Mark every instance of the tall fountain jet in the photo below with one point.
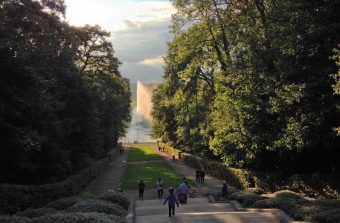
(140, 126)
(144, 101)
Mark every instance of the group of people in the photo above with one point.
(161, 149)
(159, 186)
(183, 191)
(200, 175)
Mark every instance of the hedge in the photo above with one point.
(79, 218)
(116, 198)
(18, 197)
(98, 206)
(322, 186)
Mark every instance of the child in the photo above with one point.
(172, 200)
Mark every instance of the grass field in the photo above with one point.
(149, 173)
(142, 153)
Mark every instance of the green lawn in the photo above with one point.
(142, 153)
(149, 173)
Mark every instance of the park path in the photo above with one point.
(109, 179)
(199, 209)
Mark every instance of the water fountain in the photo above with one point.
(140, 126)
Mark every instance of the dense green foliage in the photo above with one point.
(99, 206)
(322, 211)
(321, 186)
(116, 198)
(250, 82)
(63, 102)
(89, 217)
(18, 197)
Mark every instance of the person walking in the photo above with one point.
(159, 184)
(183, 191)
(202, 176)
(141, 187)
(198, 176)
(172, 200)
(225, 190)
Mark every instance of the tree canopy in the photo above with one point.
(250, 82)
(63, 101)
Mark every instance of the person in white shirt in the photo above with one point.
(160, 185)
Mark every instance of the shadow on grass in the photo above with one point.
(149, 173)
(142, 153)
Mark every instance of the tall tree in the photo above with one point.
(55, 118)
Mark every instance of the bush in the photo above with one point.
(79, 218)
(286, 194)
(327, 216)
(291, 206)
(64, 203)
(246, 198)
(15, 198)
(33, 213)
(236, 177)
(116, 198)
(322, 186)
(14, 219)
(99, 206)
(255, 190)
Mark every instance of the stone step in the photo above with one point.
(213, 217)
(158, 201)
(186, 208)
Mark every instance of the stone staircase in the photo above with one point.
(199, 210)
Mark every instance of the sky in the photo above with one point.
(139, 32)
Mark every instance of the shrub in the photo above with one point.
(236, 177)
(100, 206)
(246, 198)
(327, 216)
(255, 190)
(79, 218)
(286, 194)
(14, 219)
(15, 198)
(291, 206)
(64, 203)
(116, 198)
(33, 213)
(324, 186)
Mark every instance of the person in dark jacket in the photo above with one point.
(141, 187)
(224, 190)
(198, 176)
(202, 175)
(172, 200)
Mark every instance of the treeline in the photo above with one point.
(253, 83)
(63, 101)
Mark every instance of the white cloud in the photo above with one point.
(156, 61)
(139, 31)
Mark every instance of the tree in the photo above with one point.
(55, 117)
(271, 105)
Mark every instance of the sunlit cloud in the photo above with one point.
(139, 31)
(153, 61)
